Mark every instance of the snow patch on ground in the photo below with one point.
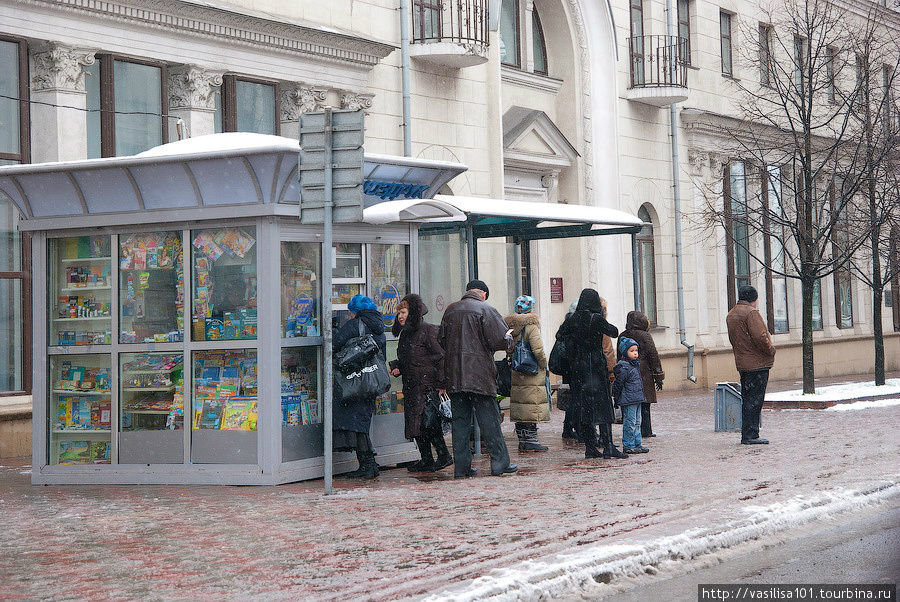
(865, 405)
(595, 566)
(840, 392)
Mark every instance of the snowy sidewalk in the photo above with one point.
(407, 536)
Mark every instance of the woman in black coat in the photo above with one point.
(419, 356)
(588, 374)
(353, 419)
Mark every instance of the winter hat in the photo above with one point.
(359, 303)
(590, 301)
(625, 344)
(524, 304)
(747, 293)
(480, 285)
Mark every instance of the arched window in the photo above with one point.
(647, 264)
(539, 47)
(509, 33)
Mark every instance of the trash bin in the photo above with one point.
(727, 407)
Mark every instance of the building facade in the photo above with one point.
(562, 102)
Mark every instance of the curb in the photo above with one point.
(567, 573)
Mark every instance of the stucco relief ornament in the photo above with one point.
(698, 160)
(193, 87)
(354, 102)
(59, 67)
(301, 99)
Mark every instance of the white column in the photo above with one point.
(528, 38)
(192, 98)
(58, 112)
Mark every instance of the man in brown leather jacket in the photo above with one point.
(471, 331)
(753, 356)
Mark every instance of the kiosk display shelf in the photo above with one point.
(151, 408)
(151, 287)
(80, 287)
(301, 290)
(80, 409)
(224, 284)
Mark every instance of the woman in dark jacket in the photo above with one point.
(419, 357)
(587, 372)
(637, 327)
(353, 419)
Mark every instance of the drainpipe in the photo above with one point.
(676, 187)
(404, 70)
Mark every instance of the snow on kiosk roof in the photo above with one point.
(208, 177)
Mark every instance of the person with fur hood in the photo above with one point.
(588, 373)
(528, 394)
(418, 363)
(637, 327)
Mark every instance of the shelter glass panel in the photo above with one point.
(442, 272)
(151, 287)
(138, 105)
(224, 284)
(80, 291)
(301, 289)
(80, 409)
(10, 238)
(388, 278)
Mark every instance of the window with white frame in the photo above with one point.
(647, 266)
(776, 281)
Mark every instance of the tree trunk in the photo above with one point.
(878, 331)
(809, 371)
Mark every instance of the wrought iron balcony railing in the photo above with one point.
(458, 21)
(658, 61)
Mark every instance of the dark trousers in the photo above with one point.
(646, 427)
(484, 407)
(753, 393)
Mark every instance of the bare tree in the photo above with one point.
(797, 134)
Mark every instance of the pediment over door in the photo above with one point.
(531, 141)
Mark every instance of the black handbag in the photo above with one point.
(356, 351)
(523, 358)
(558, 362)
(504, 377)
(363, 380)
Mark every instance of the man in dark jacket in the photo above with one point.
(470, 333)
(754, 355)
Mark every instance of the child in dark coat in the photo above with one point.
(629, 391)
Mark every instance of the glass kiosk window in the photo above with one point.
(301, 412)
(300, 289)
(151, 288)
(224, 284)
(80, 413)
(388, 279)
(224, 406)
(80, 291)
(151, 413)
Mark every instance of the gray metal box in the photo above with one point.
(727, 407)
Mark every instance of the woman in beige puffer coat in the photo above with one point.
(528, 403)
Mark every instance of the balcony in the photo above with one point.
(658, 68)
(450, 33)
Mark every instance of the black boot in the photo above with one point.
(610, 450)
(355, 474)
(444, 459)
(368, 469)
(531, 444)
(589, 435)
(426, 463)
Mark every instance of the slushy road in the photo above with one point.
(859, 548)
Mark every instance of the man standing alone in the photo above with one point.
(470, 333)
(753, 356)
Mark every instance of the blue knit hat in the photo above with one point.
(524, 304)
(361, 302)
(625, 343)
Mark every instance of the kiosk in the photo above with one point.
(177, 304)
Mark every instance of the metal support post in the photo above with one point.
(327, 330)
